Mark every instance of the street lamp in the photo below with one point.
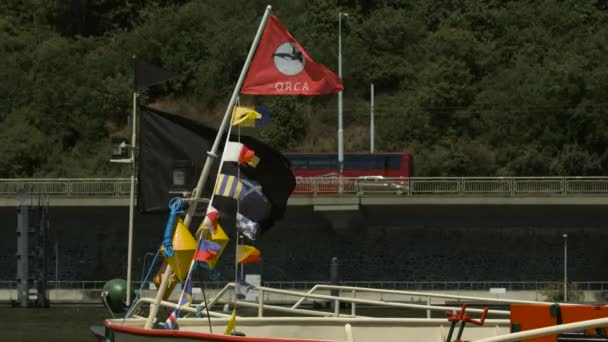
(565, 236)
(340, 129)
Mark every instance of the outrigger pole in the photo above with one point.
(132, 192)
(211, 156)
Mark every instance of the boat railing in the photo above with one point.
(340, 297)
(320, 186)
(526, 285)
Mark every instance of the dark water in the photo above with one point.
(57, 324)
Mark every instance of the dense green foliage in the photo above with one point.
(469, 87)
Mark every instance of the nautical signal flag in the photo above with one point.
(229, 186)
(206, 250)
(231, 323)
(250, 116)
(237, 152)
(186, 300)
(217, 237)
(280, 66)
(246, 226)
(210, 220)
(246, 254)
(232, 186)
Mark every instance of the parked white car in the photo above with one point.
(380, 184)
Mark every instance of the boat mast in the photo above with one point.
(211, 156)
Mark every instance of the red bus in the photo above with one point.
(386, 164)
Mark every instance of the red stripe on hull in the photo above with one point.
(198, 336)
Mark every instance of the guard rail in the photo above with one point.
(362, 186)
(387, 285)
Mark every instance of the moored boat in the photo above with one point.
(510, 320)
(345, 322)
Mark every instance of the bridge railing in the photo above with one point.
(455, 186)
(387, 285)
(67, 187)
(319, 186)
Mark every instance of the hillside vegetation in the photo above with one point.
(468, 87)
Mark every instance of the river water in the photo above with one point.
(56, 324)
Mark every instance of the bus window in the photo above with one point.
(358, 162)
(322, 162)
(394, 162)
(379, 162)
(298, 162)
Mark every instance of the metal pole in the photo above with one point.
(371, 120)
(340, 129)
(131, 198)
(334, 279)
(565, 268)
(56, 264)
(211, 155)
(23, 228)
(42, 289)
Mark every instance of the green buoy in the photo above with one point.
(114, 295)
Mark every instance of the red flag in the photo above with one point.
(247, 155)
(282, 67)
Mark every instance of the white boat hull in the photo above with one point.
(290, 329)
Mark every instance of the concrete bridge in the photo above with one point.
(346, 194)
(385, 229)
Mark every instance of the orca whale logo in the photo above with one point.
(288, 59)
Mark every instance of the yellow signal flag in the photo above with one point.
(184, 246)
(231, 323)
(246, 254)
(245, 116)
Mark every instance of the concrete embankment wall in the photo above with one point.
(392, 243)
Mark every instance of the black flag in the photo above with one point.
(173, 150)
(148, 75)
